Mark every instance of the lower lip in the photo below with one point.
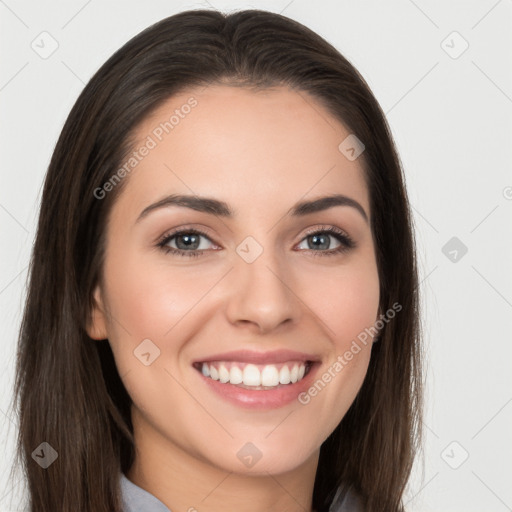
(261, 398)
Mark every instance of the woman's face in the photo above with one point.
(260, 281)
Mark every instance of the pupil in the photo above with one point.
(189, 240)
(324, 245)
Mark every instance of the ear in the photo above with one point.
(97, 325)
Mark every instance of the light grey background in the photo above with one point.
(451, 116)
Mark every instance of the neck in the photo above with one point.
(188, 482)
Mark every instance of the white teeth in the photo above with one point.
(253, 375)
(269, 376)
(294, 374)
(214, 374)
(236, 375)
(284, 375)
(223, 374)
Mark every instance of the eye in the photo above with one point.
(187, 242)
(320, 239)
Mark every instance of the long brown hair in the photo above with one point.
(67, 389)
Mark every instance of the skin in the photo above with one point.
(261, 152)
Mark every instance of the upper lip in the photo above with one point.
(250, 356)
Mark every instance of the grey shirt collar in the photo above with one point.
(136, 499)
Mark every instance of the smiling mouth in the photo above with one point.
(255, 376)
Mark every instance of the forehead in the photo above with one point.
(270, 147)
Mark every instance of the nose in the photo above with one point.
(262, 294)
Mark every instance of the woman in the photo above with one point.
(223, 307)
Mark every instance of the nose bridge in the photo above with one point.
(261, 291)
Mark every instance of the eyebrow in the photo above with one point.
(222, 209)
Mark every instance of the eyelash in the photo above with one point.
(346, 243)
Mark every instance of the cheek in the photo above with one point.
(148, 300)
(345, 299)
